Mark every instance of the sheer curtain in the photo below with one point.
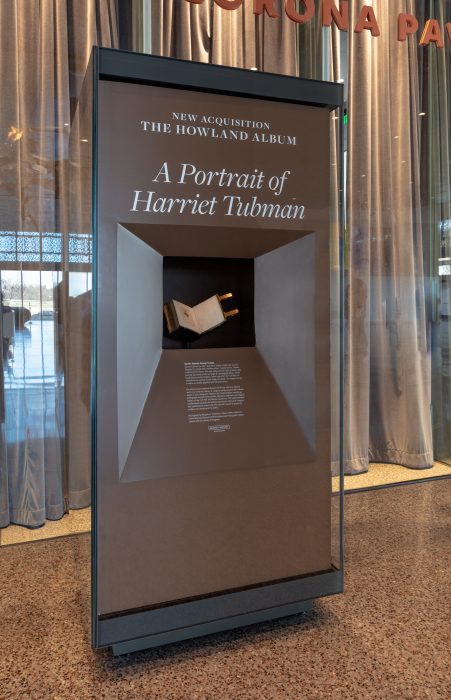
(388, 387)
(435, 72)
(388, 381)
(44, 50)
(45, 46)
(236, 38)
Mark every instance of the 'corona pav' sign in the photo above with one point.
(303, 11)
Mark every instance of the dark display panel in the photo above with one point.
(213, 429)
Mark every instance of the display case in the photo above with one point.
(217, 361)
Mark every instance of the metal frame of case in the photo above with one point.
(130, 631)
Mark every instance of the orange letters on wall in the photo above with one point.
(407, 24)
(337, 11)
(340, 17)
(229, 4)
(267, 6)
(293, 14)
(367, 20)
(432, 32)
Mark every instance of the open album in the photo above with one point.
(197, 319)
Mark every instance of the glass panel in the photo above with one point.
(436, 113)
(224, 440)
(337, 330)
(33, 463)
(45, 266)
(34, 231)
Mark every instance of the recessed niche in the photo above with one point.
(191, 280)
(271, 342)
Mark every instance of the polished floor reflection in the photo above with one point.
(32, 360)
(31, 383)
(31, 471)
(382, 474)
(74, 522)
(386, 638)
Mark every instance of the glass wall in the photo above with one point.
(45, 267)
(394, 61)
(398, 223)
(436, 112)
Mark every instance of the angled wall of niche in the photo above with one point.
(138, 331)
(263, 413)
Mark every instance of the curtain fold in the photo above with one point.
(45, 47)
(388, 358)
(237, 38)
(181, 30)
(388, 381)
(436, 186)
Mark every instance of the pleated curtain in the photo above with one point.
(237, 38)
(388, 351)
(388, 379)
(396, 209)
(435, 74)
(44, 51)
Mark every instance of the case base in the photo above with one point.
(179, 635)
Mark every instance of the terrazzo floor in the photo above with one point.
(74, 522)
(382, 474)
(387, 637)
